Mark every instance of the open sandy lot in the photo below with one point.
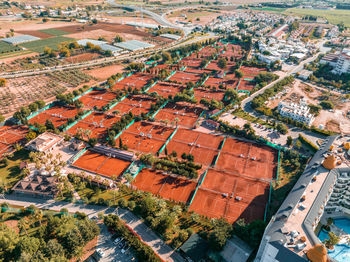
(102, 73)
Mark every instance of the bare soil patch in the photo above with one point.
(102, 73)
(81, 58)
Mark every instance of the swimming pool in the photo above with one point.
(341, 252)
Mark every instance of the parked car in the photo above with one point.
(100, 252)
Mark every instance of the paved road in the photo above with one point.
(159, 18)
(148, 236)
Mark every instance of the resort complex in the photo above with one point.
(175, 131)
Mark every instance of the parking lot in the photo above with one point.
(111, 252)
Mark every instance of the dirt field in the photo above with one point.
(102, 73)
(333, 120)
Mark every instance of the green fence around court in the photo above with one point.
(160, 108)
(41, 110)
(84, 93)
(171, 74)
(167, 141)
(268, 202)
(118, 135)
(127, 171)
(150, 86)
(198, 185)
(76, 121)
(77, 155)
(222, 145)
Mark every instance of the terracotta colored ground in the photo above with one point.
(216, 82)
(213, 65)
(183, 77)
(137, 104)
(247, 159)
(35, 33)
(208, 94)
(166, 186)
(195, 70)
(101, 164)
(102, 73)
(187, 115)
(251, 72)
(10, 135)
(91, 102)
(165, 89)
(202, 146)
(57, 114)
(246, 85)
(137, 80)
(133, 138)
(193, 62)
(82, 57)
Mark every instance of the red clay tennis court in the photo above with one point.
(213, 65)
(216, 197)
(184, 77)
(101, 164)
(137, 80)
(208, 94)
(164, 185)
(251, 72)
(246, 85)
(216, 82)
(202, 146)
(146, 137)
(195, 70)
(247, 159)
(191, 61)
(166, 89)
(10, 135)
(91, 102)
(136, 104)
(186, 116)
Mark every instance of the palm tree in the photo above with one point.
(87, 132)
(130, 179)
(89, 178)
(38, 215)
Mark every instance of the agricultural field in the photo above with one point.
(24, 90)
(52, 42)
(8, 48)
(53, 32)
(333, 16)
(71, 78)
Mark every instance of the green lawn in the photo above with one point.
(54, 32)
(11, 173)
(15, 53)
(333, 16)
(52, 42)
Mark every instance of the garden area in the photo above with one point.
(43, 235)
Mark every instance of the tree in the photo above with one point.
(222, 63)
(130, 179)
(327, 104)
(289, 140)
(238, 74)
(2, 118)
(8, 241)
(2, 82)
(282, 128)
(333, 240)
(118, 39)
(166, 56)
(22, 225)
(298, 144)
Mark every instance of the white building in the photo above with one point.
(343, 64)
(298, 112)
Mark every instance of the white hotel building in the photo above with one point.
(298, 112)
